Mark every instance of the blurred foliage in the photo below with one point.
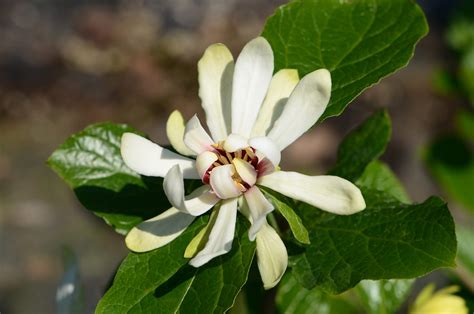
(450, 158)
(70, 291)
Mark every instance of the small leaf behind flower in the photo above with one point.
(362, 145)
(91, 164)
(294, 221)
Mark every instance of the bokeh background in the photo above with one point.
(67, 64)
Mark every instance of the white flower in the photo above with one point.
(252, 117)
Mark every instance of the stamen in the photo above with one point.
(229, 156)
(223, 160)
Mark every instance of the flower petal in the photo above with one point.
(252, 75)
(268, 148)
(272, 257)
(158, 231)
(222, 182)
(196, 138)
(150, 159)
(281, 86)
(330, 193)
(234, 142)
(304, 107)
(204, 161)
(245, 170)
(221, 236)
(197, 203)
(175, 132)
(259, 208)
(216, 69)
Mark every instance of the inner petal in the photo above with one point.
(246, 171)
(222, 182)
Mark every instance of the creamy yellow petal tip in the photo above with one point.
(175, 127)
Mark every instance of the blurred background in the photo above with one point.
(67, 64)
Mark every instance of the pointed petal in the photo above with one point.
(252, 75)
(272, 257)
(216, 69)
(303, 109)
(245, 170)
(268, 148)
(222, 182)
(259, 208)
(197, 203)
(330, 193)
(175, 132)
(204, 161)
(221, 236)
(158, 231)
(281, 86)
(196, 138)
(234, 142)
(150, 159)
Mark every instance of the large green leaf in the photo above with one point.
(360, 42)
(364, 144)
(292, 298)
(162, 281)
(387, 240)
(91, 164)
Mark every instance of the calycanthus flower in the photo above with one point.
(252, 116)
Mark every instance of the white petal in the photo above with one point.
(303, 109)
(268, 148)
(196, 138)
(158, 231)
(150, 159)
(281, 86)
(204, 161)
(272, 257)
(234, 142)
(259, 208)
(330, 193)
(197, 203)
(221, 236)
(222, 183)
(245, 170)
(216, 69)
(252, 75)
(175, 132)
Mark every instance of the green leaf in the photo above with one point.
(364, 144)
(465, 252)
(91, 164)
(383, 296)
(385, 241)
(293, 298)
(294, 221)
(360, 42)
(161, 280)
(378, 176)
(465, 124)
(450, 159)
